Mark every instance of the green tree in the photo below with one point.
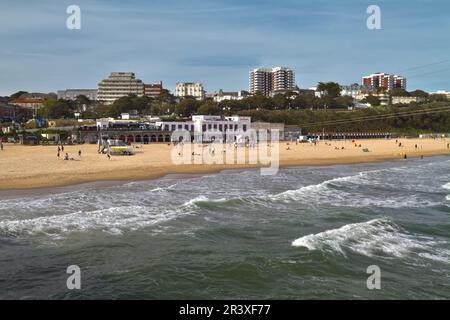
(372, 100)
(331, 89)
(17, 95)
(419, 93)
(209, 108)
(187, 107)
(399, 92)
(53, 109)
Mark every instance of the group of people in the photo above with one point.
(66, 156)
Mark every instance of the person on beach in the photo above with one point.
(1, 145)
(79, 153)
(405, 156)
(58, 155)
(109, 156)
(66, 157)
(448, 145)
(59, 149)
(62, 148)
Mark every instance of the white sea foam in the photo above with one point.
(112, 220)
(373, 238)
(342, 191)
(201, 199)
(162, 189)
(446, 186)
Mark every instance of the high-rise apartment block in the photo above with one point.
(266, 81)
(384, 81)
(119, 84)
(190, 89)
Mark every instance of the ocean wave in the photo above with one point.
(195, 202)
(374, 238)
(446, 186)
(340, 191)
(343, 191)
(113, 220)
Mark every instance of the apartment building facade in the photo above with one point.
(384, 81)
(153, 89)
(119, 84)
(266, 81)
(190, 89)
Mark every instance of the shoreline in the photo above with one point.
(155, 164)
(6, 194)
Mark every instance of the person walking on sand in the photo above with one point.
(59, 148)
(1, 145)
(109, 157)
(79, 153)
(62, 148)
(58, 155)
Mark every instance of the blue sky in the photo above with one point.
(217, 42)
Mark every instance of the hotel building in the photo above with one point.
(384, 81)
(119, 84)
(190, 89)
(267, 81)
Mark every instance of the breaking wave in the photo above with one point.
(112, 220)
(340, 191)
(374, 238)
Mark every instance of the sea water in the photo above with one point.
(305, 233)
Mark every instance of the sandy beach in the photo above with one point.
(27, 167)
